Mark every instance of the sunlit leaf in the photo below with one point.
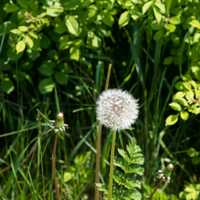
(124, 19)
(184, 115)
(20, 46)
(147, 6)
(72, 25)
(175, 106)
(171, 120)
(46, 85)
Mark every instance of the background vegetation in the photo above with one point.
(54, 56)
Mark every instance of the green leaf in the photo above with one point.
(195, 23)
(23, 28)
(196, 72)
(189, 95)
(46, 86)
(171, 120)
(10, 8)
(28, 41)
(175, 106)
(157, 14)
(160, 6)
(54, 11)
(178, 95)
(129, 170)
(74, 53)
(64, 42)
(146, 7)
(195, 109)
(61, 78)
(7, 85)
(182, 101)
(20, 46)
(175, 20)
(123, 19)
(60, 26)
(170, 27)
(46, 68)
(68, 176)
(184, 115)
(72, 25)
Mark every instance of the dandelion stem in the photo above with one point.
(112, 155)
(53, 163)
(98, 143)
(98, 155)
(59, 124)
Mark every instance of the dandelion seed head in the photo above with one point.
(117, 109)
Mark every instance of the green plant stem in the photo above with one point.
(53, 164)
(98, 155)
(108, 76)
(97, 195)
(112, 155)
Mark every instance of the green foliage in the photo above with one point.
(64, 47)
(77, 178)
(191, 192)
(185, 101)
(128, 173)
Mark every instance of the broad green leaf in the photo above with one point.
(61, 77)
(23, 28)
(10, 8)
(92, 10)
(146, 6)
(175, 20)
(170, 27)
(182, 101)
(184, 115)
(72, 25)
(64, 42)
(20, 46)
(46, 86)
(189, 95)
(68, 176)
(157, 14)
(123, 19)
(46, 68)
(7, 85)
(175, 106)
(60, 26)
(108, 19)
(15, 31)
(178, 95)
(171, 120)
(195, 109)
(160, 6)
(195, 23)
(54, 11)
(179, 85)
(196, 72)
(28, 41)
(74, 53)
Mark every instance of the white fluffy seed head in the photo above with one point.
(117, 109)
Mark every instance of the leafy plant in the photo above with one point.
(78, 177)
(185, 101)
(191, 192)
(128, 173)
